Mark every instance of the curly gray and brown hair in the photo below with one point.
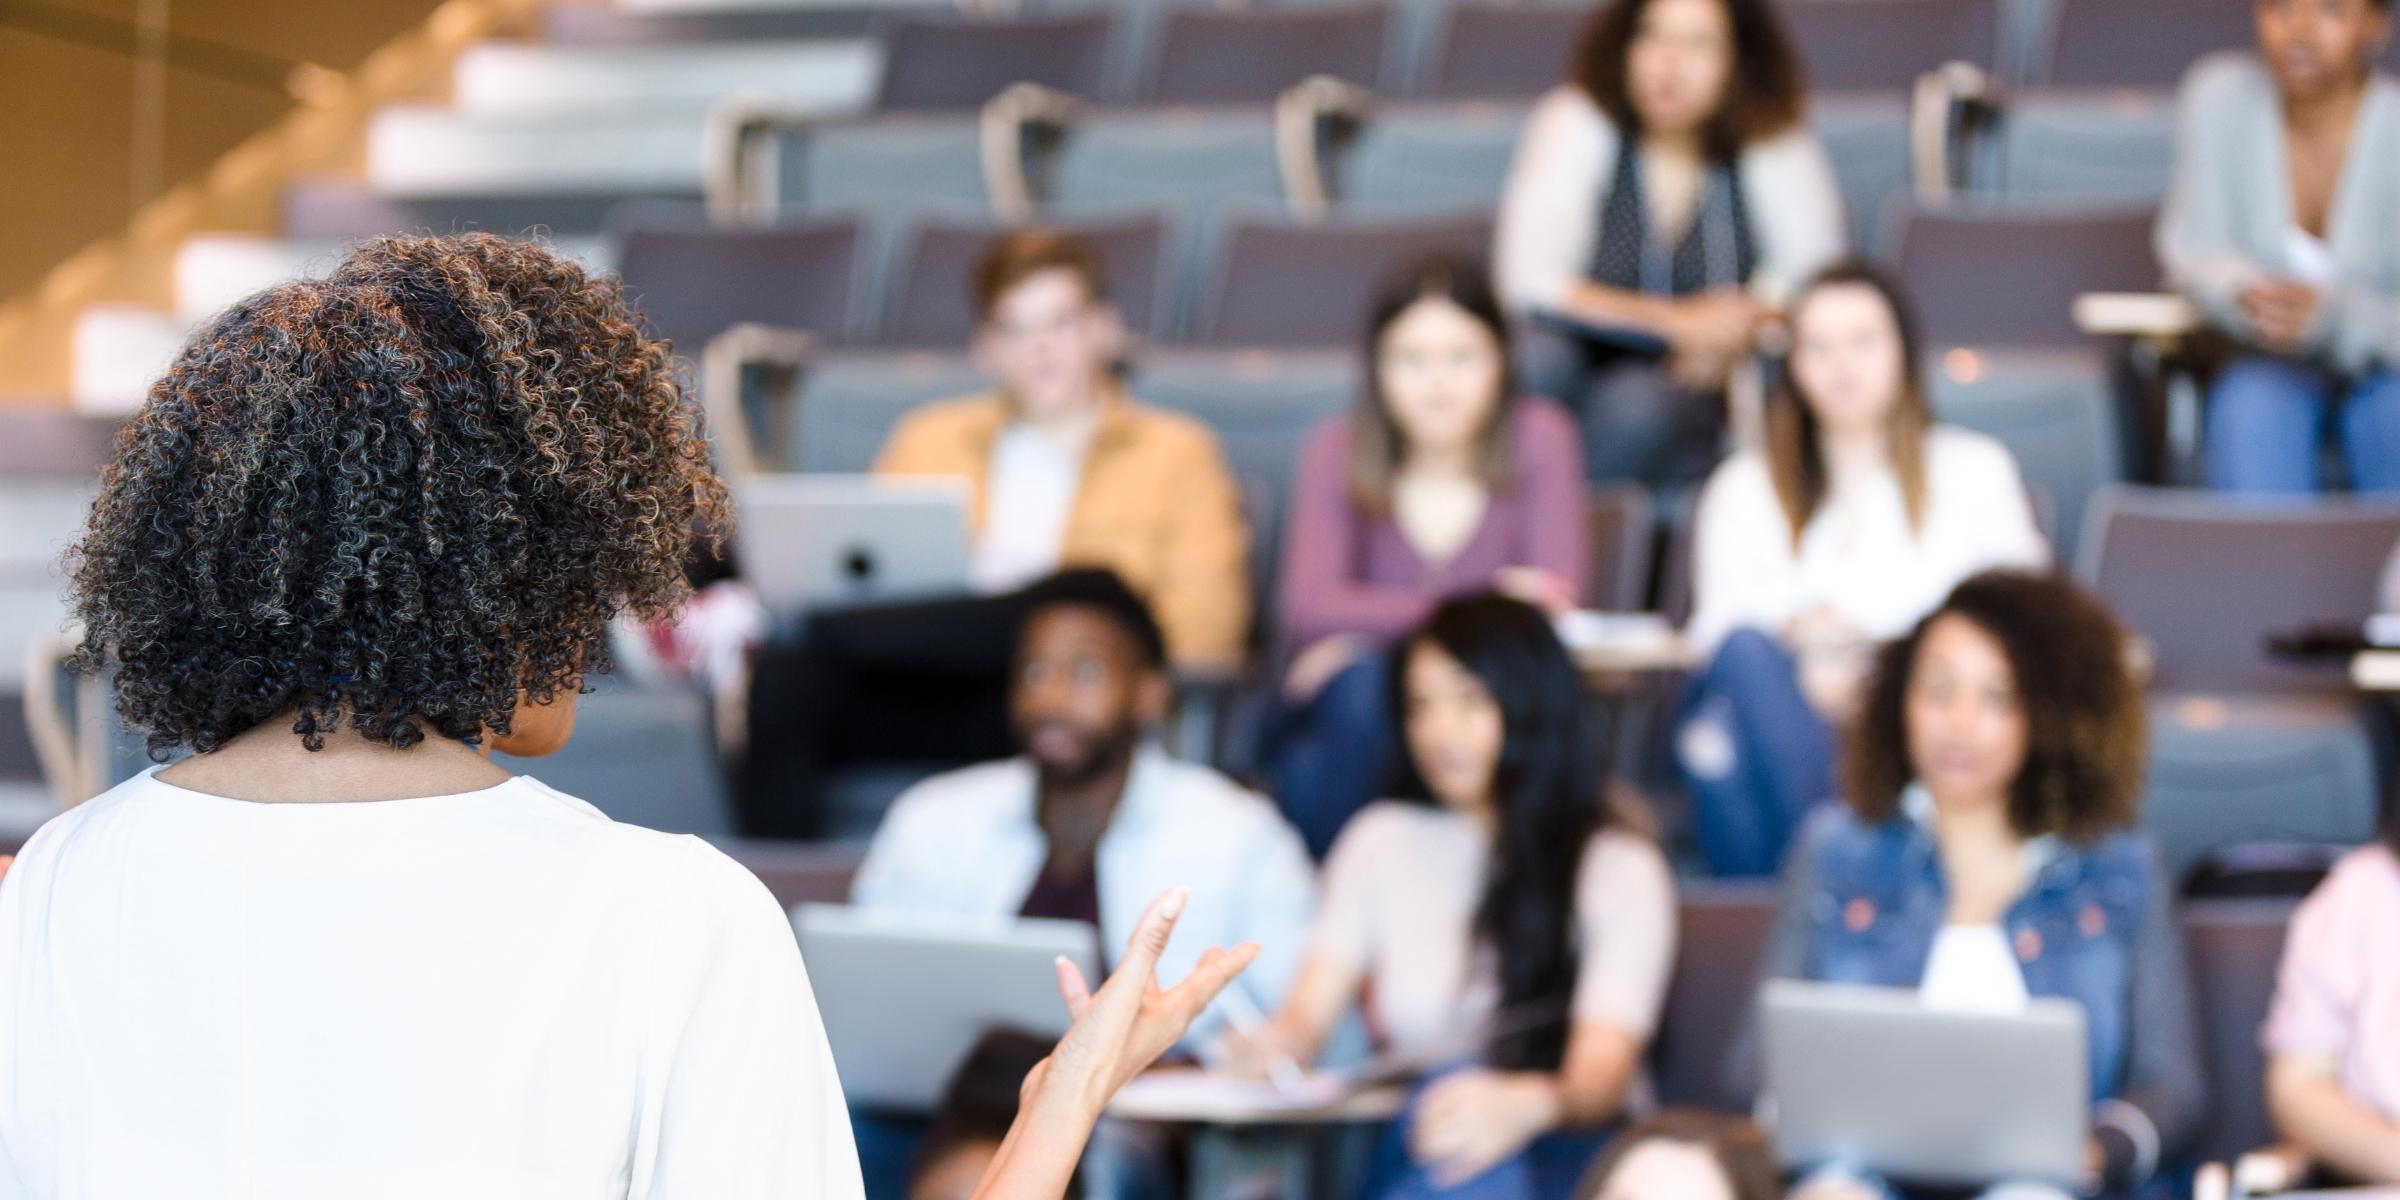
(403, 497)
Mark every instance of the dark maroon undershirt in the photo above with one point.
(1072, 897)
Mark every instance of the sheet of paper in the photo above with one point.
(1205, 1097)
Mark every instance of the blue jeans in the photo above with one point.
(1549, 1167)
(1327, 758)
(1754, 755)
(1637, 424)
(2268, 418)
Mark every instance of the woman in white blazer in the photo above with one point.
(1668, 197)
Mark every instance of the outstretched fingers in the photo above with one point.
(1139, 970)
(1215, 971)
(1073, 988)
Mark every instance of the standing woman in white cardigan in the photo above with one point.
(2283, 226)
(1670, 194)
(1856, 519)
(367, 529)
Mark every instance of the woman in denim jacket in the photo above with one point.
(1988, 854)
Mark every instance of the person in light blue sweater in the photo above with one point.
(2283, 227)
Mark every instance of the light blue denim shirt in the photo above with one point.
(1880, 898)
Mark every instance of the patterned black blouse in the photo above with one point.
(1719, 248)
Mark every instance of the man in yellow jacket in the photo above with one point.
(1066, 471)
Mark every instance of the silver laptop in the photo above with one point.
(829, 541)
(1874, 1078)
(905, 997)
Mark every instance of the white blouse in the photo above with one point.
(1973, 969)
(500, 994)
(1858, 555)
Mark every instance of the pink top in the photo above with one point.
(1347, 571)
(2338, 995)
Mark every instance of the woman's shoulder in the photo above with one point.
(1745, 468)
(682, 863)
(1385, 821)
(1629, 859)
(1329, 437)
(2370, 866)
(1953, 451)
(1836, 839)
(1779, 153)
(2228, 78)
(1741, 482)
(2363, 883)
(707, 898)
(2383, 87)
(1539, 422)
(2129, 855)
(1957, 442)
(1567, 107)
(1388, 833)
(55, 837)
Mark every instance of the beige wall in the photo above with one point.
(67, 109)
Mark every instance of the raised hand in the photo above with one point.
(1123, 1028)
(1119, 1031)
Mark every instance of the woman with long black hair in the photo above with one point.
(1497, 901)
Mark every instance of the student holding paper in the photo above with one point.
(1496, 892)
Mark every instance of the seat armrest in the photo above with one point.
(2159, 316)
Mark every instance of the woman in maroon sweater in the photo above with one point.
(1440, 481)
